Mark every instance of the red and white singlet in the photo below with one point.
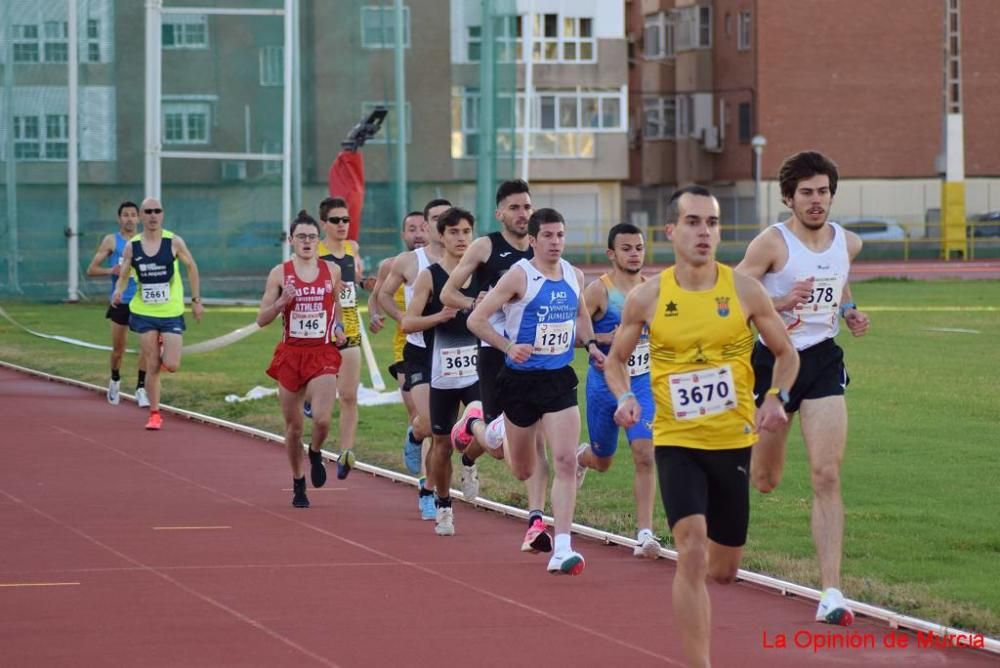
(309, 319)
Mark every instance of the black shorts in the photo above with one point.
(713, 483)
(525, 396)
(821, 373)
(416, 365)
(444, 406)
(397, 368)
(118, 314)
(491, 362)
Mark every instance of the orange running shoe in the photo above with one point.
(155, 421)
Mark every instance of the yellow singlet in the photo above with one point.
(399, 340)
(348, 291)
(700, 345)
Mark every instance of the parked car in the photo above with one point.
(986, 225)
(875, 229)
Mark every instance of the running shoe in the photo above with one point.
(445, 522)
(427, 509)
(345, 462)
(470, 482)
(299, 498)
(141, 398)
(566, 563)
(411, 453)
(833, 609)
(114, 388)
(307, 410)
(460, 436)
(581, 471)
(537, 539)
(317, 470)
(155, 422)
(647, 547)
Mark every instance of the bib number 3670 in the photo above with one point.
(702, 393)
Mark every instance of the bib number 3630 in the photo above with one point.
(702, 393)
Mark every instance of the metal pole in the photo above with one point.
(286, 132)
(399, 65)
(11, 165)
(154, 82)
(529, 91)
(73, 167)
(296, 109)
(758, 142)
(486, 167)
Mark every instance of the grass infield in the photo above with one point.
(919, 477)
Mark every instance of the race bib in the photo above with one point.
(702, 393)
(307, 325)
(553, 338)
(348, 295)
(155, 293)
(825, 297)
(459, 362)
(638, 361)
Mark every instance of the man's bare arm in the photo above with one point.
(402, 263)
(104, 251)
(475, 255)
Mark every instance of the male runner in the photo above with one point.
(605, 298)
(304, 291)
(110, 249)
(545, 315)
(804, 264)
(698, 314)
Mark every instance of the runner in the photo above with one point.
(804, 263)
(157, 309)
(304, 291)
(697, 314)
(453, 351)
(605, 298)
(489, 258)
(110, 249)
(545, 313)
(405, 269)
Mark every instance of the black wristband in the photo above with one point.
(586, 346)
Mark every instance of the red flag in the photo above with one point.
(347, 180)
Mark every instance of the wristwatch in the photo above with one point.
(781, 393)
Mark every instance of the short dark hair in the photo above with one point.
(452, 217)
(621, 228)
(805, 165)
(331, 203)
(673, 204)
(303, 218)
(126, 205)
(542, 216)
(512, 187)
(433, 203)
(410, 215)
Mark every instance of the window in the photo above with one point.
(186, 122)
(272, 65)
(25, 43)
(32, 143)
(746, 126)
(56, 136)
(185, 31)
(270, 166)
(378, 27)
(506, 38)
(234, 170)
(93, 41)
(570, 40)
(56, 48)
(743, 36)
(27, 142)
(693, 27)
(390, 128)
(658, 36)
(659, 118)
(685, 115)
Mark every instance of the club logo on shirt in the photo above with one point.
(722, 306)
(671, 310)
(505, 254)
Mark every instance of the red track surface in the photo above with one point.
(88, 497)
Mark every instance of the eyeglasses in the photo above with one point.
(339, 219)
(306, 237)
(153, 210)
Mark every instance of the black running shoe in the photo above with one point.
(317, 472)
(299, 498)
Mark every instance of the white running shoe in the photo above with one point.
(833, 609)
(470, 482)
(581, 471)
(566, 563)
(647, 548)
(113, 392)
(445, 525)
(141, 398)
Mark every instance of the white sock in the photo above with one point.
(496, 432)
(643, 533)
(562, 543)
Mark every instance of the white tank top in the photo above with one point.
(416, 338)
(819, 319)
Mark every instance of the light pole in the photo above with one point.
(758, 143)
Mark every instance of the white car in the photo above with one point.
(875, 229)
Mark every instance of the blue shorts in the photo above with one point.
(601, 407)
(140, 324)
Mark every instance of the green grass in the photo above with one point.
(919, 479)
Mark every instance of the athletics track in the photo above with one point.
(180, 548)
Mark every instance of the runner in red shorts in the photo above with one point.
(304, 291)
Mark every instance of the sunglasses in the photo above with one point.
(339, 219)
(306, 237)
(153, 210)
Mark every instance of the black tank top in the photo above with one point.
(458, 325)
(502, 257)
